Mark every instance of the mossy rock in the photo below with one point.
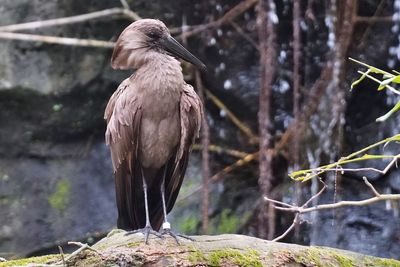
(48, 259)
(118, 249)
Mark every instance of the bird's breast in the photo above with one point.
(160, 129)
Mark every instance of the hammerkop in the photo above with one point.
(152, 120)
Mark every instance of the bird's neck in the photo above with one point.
(162, 73)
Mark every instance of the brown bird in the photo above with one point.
(152, 120)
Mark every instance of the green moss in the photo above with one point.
(323, 257)
(226, 257)
(197, 257)
(383, 262)
(115, 231)
(60, 198)
(134, 244)
(36, 260)
(312, 256)
(343, 261)
(248, 258)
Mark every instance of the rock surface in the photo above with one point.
(118, 249)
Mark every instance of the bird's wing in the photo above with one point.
(123, 114)
(191, 113)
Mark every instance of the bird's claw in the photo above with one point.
(146, 231)
(167, 231)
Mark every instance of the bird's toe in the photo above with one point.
(146, 231)
(175, 235)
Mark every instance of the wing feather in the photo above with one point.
(191, 112)
(123, 114)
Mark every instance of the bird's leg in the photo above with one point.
(166, 226)
(147, 230)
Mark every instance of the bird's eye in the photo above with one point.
(153, 35)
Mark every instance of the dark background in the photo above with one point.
(56, 181)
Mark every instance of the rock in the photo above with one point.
(118, 249)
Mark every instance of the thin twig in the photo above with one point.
(239, 163)
(316, 195)
(337, 166)
(295, 222)
(222, 150)
(278, 202)
(62, 255)
(84, 245)
(244, 35)
(235, 120)
(300, 210)
(341, 204)
(76, 252)
(378, 197)
(56, 40)
(225, 19)
(125, 4)
(391, 88)
(374, 19)
(371, 186)
(216, 177)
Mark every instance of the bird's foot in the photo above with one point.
(146, 231)
(167, 231)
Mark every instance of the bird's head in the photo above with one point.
(146, 38)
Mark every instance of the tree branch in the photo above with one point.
(205, 156)
(235, 120)
(303, 209)
(225, 19)
(70, 20)
(56, 40)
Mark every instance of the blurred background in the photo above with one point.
(56, 181)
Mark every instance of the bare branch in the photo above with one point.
(76, 252)
(239, 163)
(222, 150)
(244, 35)
(70, 20)
(316, 195)
(371, 186)
(62, 255)
(225, 19)
(125, 4)
(278, 202)
(216, 177)
(341, 204)
(296, 220)
(374, 19)
(378, 197)
(56, 40)
(235, 120)
(300, 210)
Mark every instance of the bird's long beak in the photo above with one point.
(171, 45)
